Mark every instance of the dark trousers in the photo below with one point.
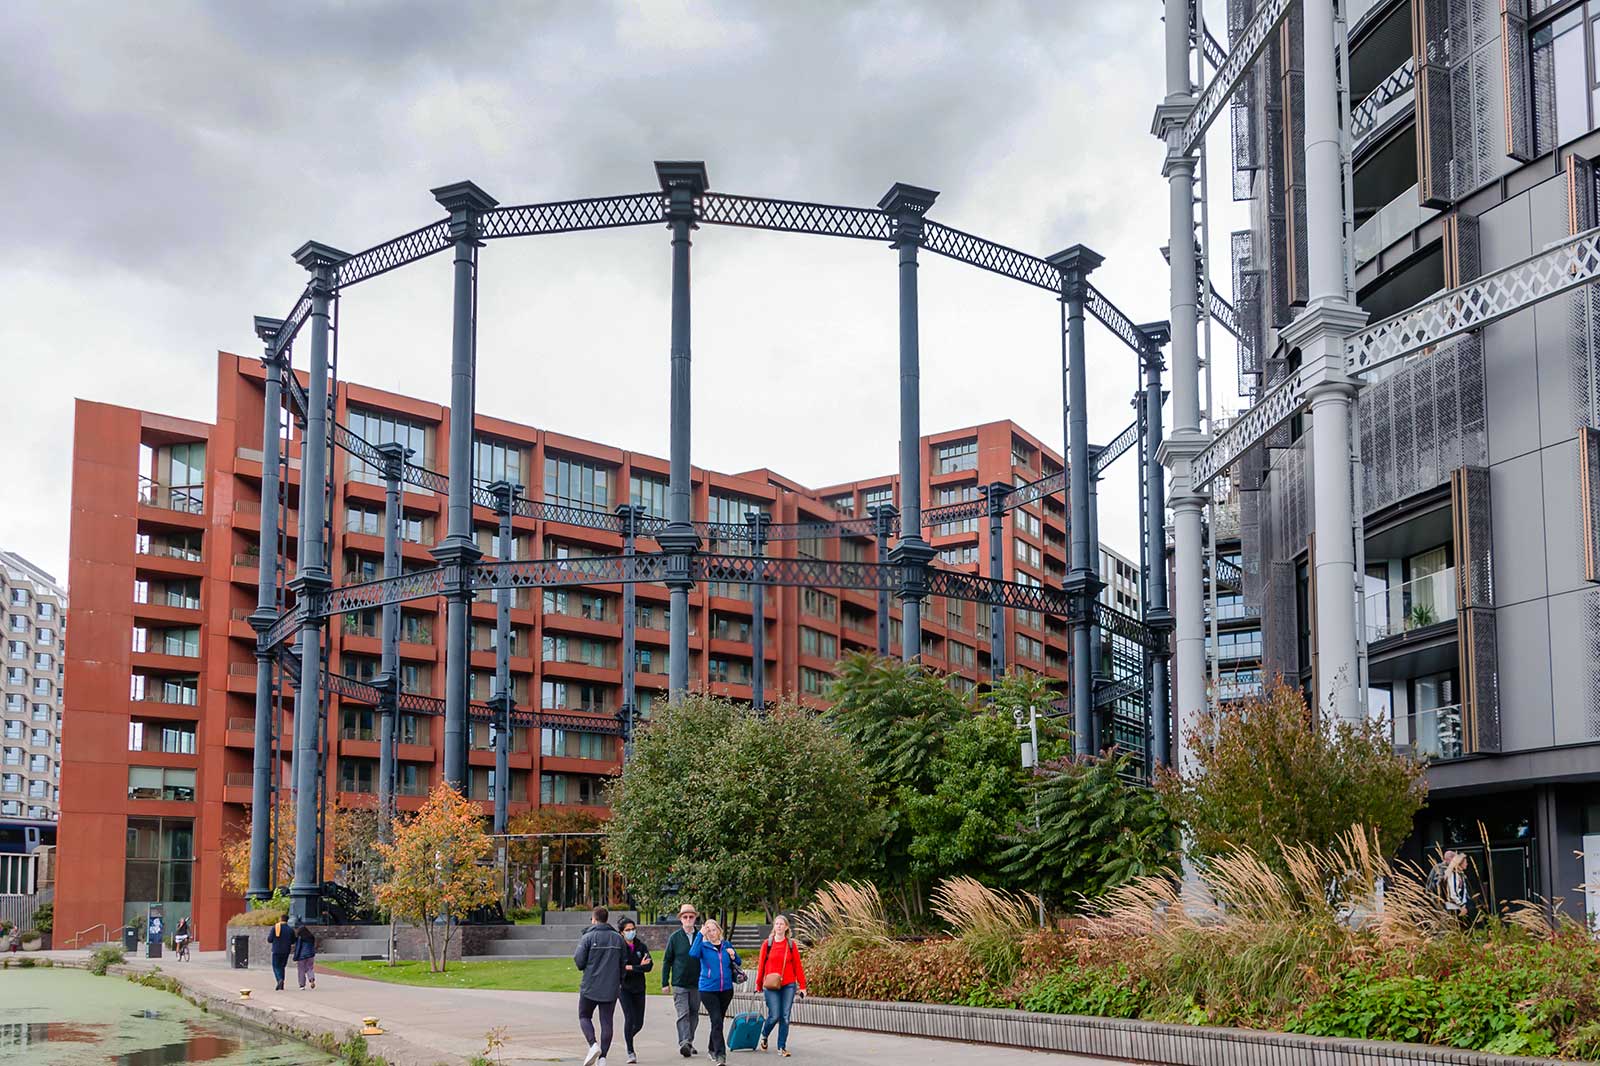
(686, 1004)
(632, 1013)
(717, 1004)
(279, 964)
(608, 1010)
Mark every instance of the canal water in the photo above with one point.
(64, 1017)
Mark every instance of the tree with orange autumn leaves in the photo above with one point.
(438, 868)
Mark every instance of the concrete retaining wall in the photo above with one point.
(1169, 1045)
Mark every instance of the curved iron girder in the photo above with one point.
(380, 259)
(571, 216)
(794, 216)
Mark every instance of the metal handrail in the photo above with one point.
(79, 934)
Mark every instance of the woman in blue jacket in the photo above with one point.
(717, 961)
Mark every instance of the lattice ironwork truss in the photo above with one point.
(794, 216)
(571, 216)
(1365, 114)
(1246, 50)
(1279, 405)
(407, 248)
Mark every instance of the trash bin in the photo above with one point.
(130, 939)
(240, 952)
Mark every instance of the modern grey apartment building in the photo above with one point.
(1473, 133)
(35, 616)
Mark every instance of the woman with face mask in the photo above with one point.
(636, 962)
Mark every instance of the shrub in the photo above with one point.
(105, 957)
(44, 917)
(261, 916)
(937, 971)
(1267, 775)
(26, 963)
(1112, 992)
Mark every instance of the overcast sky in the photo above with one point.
(162, 160)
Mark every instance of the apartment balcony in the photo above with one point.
(1411, 608)
(167, 561)
(176, 505)
(1436, 734)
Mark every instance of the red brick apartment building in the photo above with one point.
(166, 520)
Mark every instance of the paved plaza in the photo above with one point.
(426, 1026)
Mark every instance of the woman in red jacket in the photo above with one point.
(781, 976)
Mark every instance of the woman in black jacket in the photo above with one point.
(636, 962)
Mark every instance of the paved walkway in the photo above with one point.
(429, 1025)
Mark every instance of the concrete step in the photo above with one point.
(352, 946)
(543, 932)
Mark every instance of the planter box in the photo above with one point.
(1123, 1040)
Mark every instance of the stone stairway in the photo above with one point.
(556, 939)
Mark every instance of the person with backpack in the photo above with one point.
(600, 957)
(280, 938)
(680, 972)
(719, 972)
(305, 954)
(780, 976)
(636, 962)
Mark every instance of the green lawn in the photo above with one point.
(528, 975)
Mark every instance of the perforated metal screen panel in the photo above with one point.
(1480, 678)
(1591, 644)
(1422, 422)
(1471, 517)
(1516, 72)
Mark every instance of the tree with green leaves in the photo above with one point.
(1267, 774)
(731, 808)
(1095, 830)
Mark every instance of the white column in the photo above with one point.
(1184, 441)
(1319, 333)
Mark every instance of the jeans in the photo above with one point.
(279, 964)
(608, 1010)
(717, 1009)
(780, 1001)
(632, 1013)
(307, 967)
(686, 1001)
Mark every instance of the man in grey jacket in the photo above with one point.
(599, 956)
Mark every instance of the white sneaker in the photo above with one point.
(602, 1062)
(594, 1053)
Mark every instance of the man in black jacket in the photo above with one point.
(680, 972)
(599, 956)
(281, 939)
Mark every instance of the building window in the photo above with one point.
(575, 696)
(818, 644)
(1027, 522)
(588, 605)
(1027, 553)
(821, 604)
(158, 783)
(11, 783)
(1562, 85)
(381, 428)
(357, 775)
(728, 671)
(961, 655)
(160, 867)
(845, 504)
(814, 682)
(871, 498)
(1021, 454)
(572, 744)
(962, 455)
(650, 493)
(576, 484)
(728, 627)
(494, 460)
(559, 649)
(957, 494)
(579, 789)
(1028, 648)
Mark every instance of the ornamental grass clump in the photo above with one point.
(989, 923)
(844, 918)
